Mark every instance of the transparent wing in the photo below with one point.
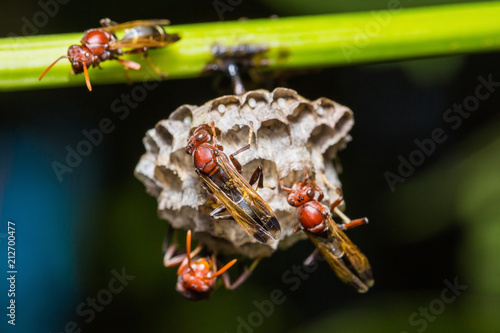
(246, 222)
(132, 24)
(139, 43)
(260, 208)
(333, 257)
(357, 260)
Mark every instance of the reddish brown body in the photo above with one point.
(101, 44)
(312, 215)
(221, 177)
(204, 159)
(98, 42)
(196, 281)
(345, 259)
(197, 276)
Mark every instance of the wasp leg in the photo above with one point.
(242, 278)
(321, 194)
(218, 210)
(257, 175)
(340, 198)
(234, 74)
(215, 214)
(287, 189)
(146, 57)
(168, 249)
(168, 238)
(338, 201)
(209, 193)
(311, 258)
(169, 258)
(235, 162)
(223, 217)
(348, 224)
(155, 68)
(127, 76)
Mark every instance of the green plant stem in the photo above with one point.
(295, 42)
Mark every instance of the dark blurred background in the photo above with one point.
(438, 228)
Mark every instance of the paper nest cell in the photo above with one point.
(290, 133)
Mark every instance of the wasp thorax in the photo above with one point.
(290, 133)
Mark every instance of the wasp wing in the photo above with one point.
(354, 256)
(331, 252)
(242, 217)
(133, 24)
(260, 208)
(140, 42)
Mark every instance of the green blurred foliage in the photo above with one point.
(297, 7)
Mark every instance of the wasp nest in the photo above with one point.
(290, 133)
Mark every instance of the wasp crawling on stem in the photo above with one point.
(197, 276)
(345, 259)
(221, 177)
(101, 44)
(234, 60)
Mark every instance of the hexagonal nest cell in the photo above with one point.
(290, 133)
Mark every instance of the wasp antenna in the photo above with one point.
(188, 249)
(50, 66)
(214, 135)
(319, 190)
(306, 178)
(87, 79)
(225, 268)
(284, 188)
(250, 133)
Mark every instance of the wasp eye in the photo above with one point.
(310, 193)
(291, 201)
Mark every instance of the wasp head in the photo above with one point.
(199, 137)
(80, 56)
(301, 194)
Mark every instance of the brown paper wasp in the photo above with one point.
(101, 44)
(197, 276)
(221, 177)
(345, 259)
